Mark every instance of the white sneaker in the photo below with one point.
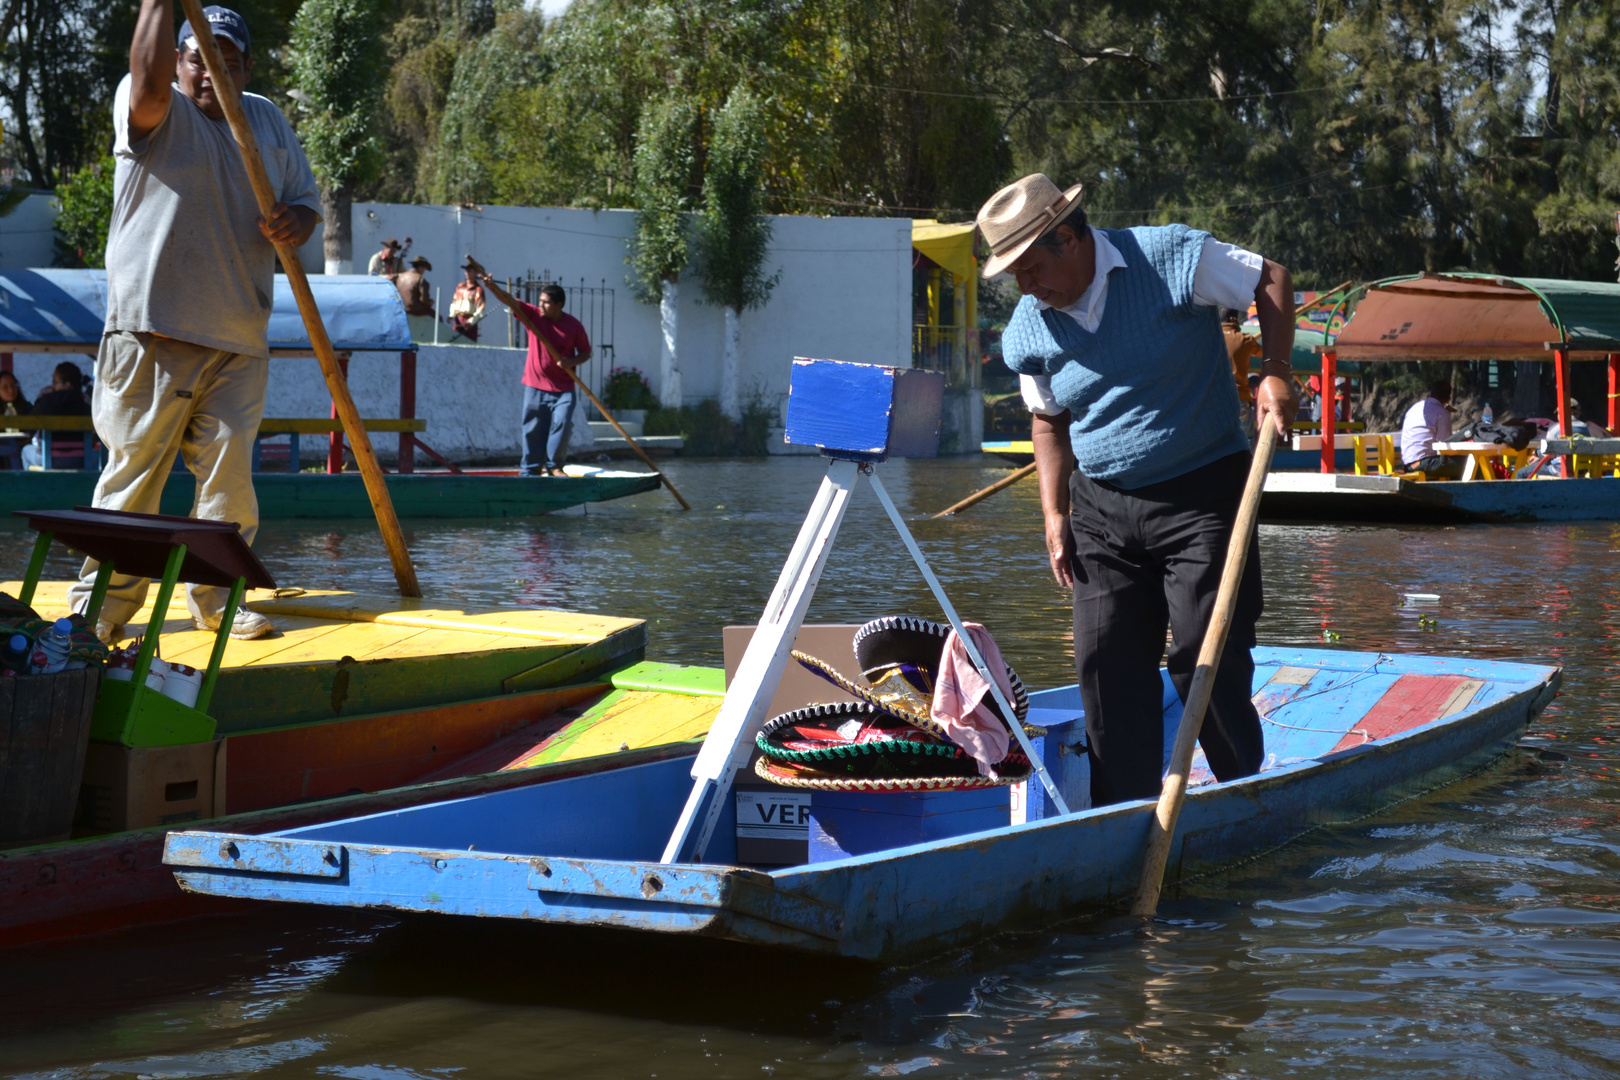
(110, 633)
(245, 627)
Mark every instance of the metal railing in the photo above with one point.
(944, 348)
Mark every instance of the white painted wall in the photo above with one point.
(845, 291)
(28, 238)
(28, 234)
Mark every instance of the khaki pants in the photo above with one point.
(155, 397)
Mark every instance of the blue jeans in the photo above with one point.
(546, 415)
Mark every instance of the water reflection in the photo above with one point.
(1472, 932)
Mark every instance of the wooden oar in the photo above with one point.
(359, 441)
(528, 322)
(1163, 827)
(985, 493)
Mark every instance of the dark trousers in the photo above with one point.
(1145, 559)
(546, 414)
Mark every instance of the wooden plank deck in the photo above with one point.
(341, 654)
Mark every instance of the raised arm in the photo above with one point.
(1277, 397)
(501, 294)
(151, 67)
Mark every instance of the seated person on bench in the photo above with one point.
(1426, 423)
(64, 398)
(1553, 464)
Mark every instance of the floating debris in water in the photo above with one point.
(1330, 635)
(1427, 623)
(1422, 598)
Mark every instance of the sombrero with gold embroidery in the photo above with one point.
(1011, 770)
(900, 658)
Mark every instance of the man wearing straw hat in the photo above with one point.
(184, 360)
(1141, 457)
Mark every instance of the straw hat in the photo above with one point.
(1018, 215)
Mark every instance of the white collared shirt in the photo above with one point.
(1227, 276)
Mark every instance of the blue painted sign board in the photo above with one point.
(864, 411)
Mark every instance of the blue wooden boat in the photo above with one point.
(1346, 734)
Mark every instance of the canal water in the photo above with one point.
(1474, 932)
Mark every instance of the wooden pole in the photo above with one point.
(984, 493)
(1561, 377)
(359, 440)
(1330, 371)
(1613, 419)
(1162, 829)
(523, 316)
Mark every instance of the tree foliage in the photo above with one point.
(732, 235)
(1347, 138)
(83, 216)
(666, 173)
(337, 68)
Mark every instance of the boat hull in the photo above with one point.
(585, 851)
(1319, 497)
(317, 495)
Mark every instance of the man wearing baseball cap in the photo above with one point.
(1142, 458)
(183, 362)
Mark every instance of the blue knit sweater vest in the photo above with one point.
(1151, 392)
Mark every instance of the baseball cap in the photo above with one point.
(224, 22)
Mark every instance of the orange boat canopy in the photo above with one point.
(1481, 317)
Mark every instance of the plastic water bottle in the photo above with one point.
(1485, 417)
(15, 652)
(51, 650)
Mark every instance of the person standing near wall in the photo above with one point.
(548, 381)
(386, 263)
(184, 360)
(467, 305)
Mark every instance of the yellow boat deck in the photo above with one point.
(342, 653)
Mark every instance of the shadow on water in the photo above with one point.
(613, 972)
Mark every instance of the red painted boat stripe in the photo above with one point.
(1411, 702)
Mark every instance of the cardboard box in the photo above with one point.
(833, 643)
(132, 787)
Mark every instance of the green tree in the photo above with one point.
(733, 235)
(666, 175)
(83, 216)
(337, 70)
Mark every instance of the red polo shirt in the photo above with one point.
(565, 337)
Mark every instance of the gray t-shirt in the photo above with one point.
(185, 257)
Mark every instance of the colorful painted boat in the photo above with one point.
(1472, 317)
(317, 495)
(1346, 734)
(1344, 497)
(356, 695)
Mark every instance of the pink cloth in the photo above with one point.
(960, 693)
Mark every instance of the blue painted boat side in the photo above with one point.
(584, 850)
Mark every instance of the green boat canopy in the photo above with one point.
(1481, 317)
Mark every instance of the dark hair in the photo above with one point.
(69, 372)
(1440, 389)
(1231, 314)
(556, 293)
(1076, 221)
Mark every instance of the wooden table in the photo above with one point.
(1478, 454)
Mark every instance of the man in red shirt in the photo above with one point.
(548, 381)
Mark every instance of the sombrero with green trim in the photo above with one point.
(900, 657)
(853, 738)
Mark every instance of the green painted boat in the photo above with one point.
(318, 495)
